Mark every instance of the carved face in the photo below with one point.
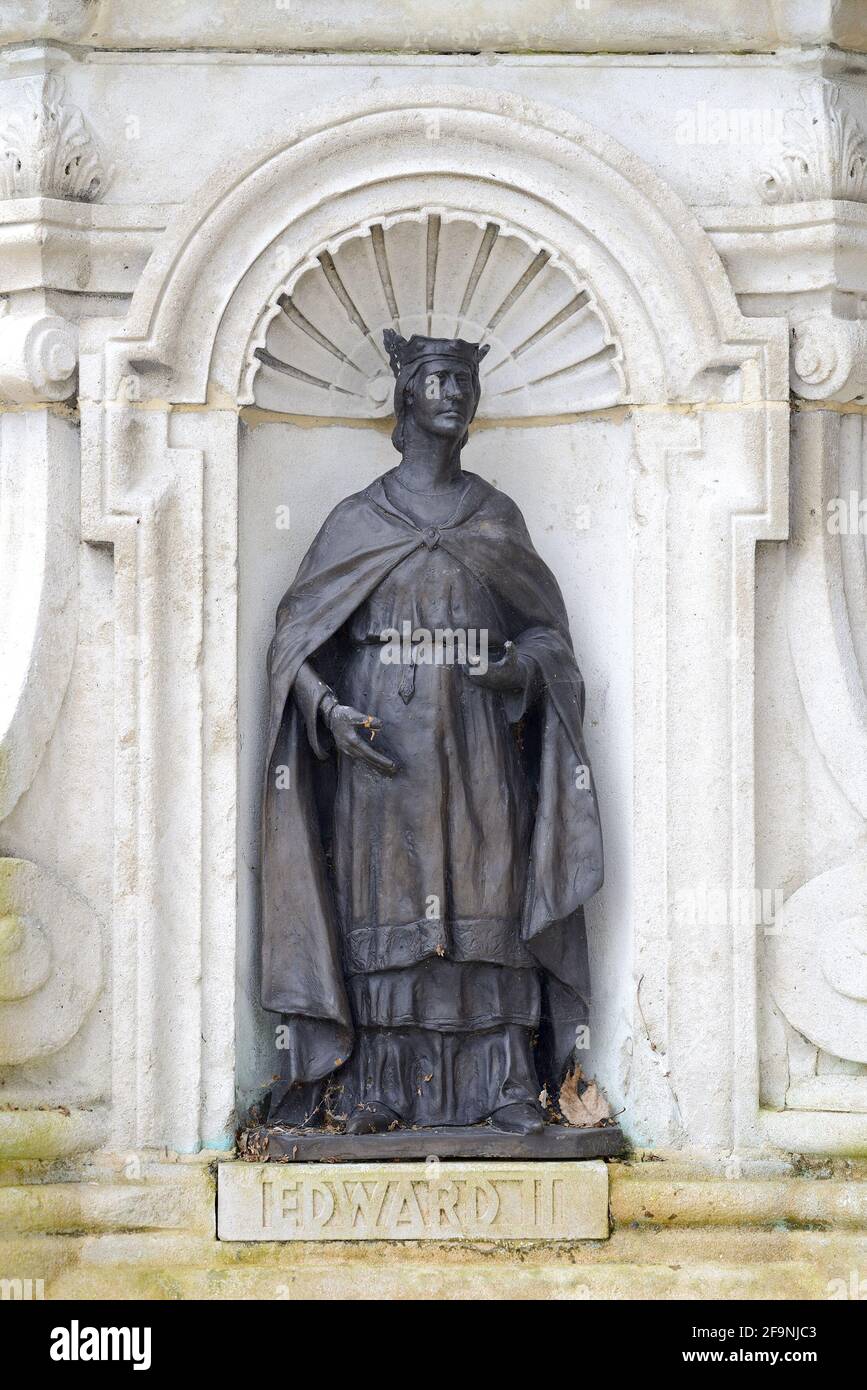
(443, 399)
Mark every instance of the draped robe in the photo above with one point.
(305, 957)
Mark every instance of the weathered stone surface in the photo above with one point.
(547, 25)
(680, 1229)
(413, 1201)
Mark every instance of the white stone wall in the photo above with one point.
(169, 180)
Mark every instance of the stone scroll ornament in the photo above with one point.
(431, 829)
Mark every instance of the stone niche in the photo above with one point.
(638, 419)
(318, 428)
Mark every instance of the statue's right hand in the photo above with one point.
(353, 733)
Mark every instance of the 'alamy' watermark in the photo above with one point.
(716, 906)
(21, 1290)
(729, 125)
(854, 1287)
(441, 646)
(847, 516)
(77, 1343)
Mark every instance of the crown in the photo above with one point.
(404, 352)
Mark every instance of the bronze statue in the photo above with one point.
(430, 824)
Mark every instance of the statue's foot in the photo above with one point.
(371, 1117)
(521, 1118)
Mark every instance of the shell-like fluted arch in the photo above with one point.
(553, 179)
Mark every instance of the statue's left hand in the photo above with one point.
(509, 673)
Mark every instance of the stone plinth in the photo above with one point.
(560, 1142)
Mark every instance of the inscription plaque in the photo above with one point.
(413, 1201)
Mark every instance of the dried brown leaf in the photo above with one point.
(582, 1102)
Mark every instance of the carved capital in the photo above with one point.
(829, 358)
(38, 358)
(824, 154)
(47, 148)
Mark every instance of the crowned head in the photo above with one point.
(436, 384)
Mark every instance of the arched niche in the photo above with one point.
(549, 177)
(641, 427)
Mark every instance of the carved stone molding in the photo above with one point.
(48, 149)
(160, 489)
(82, 248)
(826, 596)
(818, 960)
(50, 962)
(796, 259)
(808, 264)
(824, 154)
(546, 26)
(39, 539)
(694, 1019)
(815, 959)
(38, 358)
(629, 240)
(319, 349)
